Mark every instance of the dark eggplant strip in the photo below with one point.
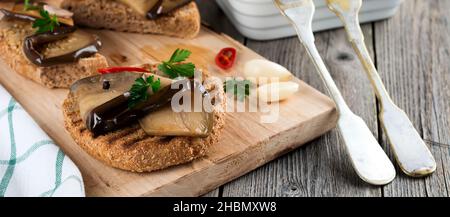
(12, 15)
(33, 43)
(155, 11)
(116, 114)
(162, 8)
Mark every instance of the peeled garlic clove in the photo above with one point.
(275, 92)
(263, 71)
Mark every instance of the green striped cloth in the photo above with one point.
(30, 163)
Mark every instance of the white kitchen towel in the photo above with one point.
(30, 163)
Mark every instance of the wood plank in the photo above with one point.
(213, 193)
(437, 114)
(413, 52)
(245, 144)
(320, 168)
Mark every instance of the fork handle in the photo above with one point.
(366, 155)
(356, 38)
(411, 152)
(306, 36)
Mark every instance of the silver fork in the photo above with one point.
(413, 156)
(367, 157)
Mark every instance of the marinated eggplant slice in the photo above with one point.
(186, 121)
(154, 8)
(116, 114)
(33, 44)
(89, 92)
(165, 7)
(166, 122)
(89, 102)
(77, 45)
(105, 110)
(18, 16)
(20, 9)
(64, 45)
(19, 12)
(141, 6)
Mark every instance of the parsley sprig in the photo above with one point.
(139, 90)
(175, 67)
(28, 6)
(240, 88)
(46, 23)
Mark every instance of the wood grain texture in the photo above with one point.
(321, 168)
(413, 52)
(245, 143)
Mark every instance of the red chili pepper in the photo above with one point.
(121, 69)
(226, 57)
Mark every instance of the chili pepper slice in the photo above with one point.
(121, 69)
(226, 57)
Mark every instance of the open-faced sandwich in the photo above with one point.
(40, 42)
(147, 118)
(178, 18)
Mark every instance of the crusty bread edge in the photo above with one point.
(184, 22)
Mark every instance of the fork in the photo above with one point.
(411, 152)
(367, 157)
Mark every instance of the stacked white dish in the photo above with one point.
(261, 20)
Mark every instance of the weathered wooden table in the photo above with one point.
(412, 53)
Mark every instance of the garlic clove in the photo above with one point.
(261, 71)
(279, 91)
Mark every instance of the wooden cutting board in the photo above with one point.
(244, 145)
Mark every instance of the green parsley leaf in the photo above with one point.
(139, 90)
(46, 23)
(180, 55)
(165, 68)
(175, 68)
(185, 70)
(28, 6)
(240, 88)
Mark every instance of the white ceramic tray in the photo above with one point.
(260, 19)
(266, 7)
(276, 20)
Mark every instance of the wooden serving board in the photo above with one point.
(245, 143)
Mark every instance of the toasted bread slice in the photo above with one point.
(184, 22)
(133, 150)
(12, 35)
